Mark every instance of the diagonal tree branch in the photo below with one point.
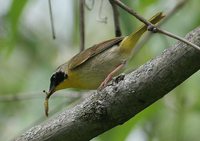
(122, 99)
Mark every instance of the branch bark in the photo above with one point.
(122, 99)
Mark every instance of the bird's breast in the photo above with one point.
(90, 74)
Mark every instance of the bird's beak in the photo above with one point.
(51, 91)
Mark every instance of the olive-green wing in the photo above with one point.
(85, 55)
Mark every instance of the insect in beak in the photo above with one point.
(46, 102)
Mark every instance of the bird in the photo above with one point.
(94, 67)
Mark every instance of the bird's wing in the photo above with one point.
(85, 55)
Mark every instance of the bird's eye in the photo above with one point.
(66, 76)
(53, 77)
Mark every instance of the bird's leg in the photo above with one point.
(110, 76)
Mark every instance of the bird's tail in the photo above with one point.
(130, 41)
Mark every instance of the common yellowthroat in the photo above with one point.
(95, 66)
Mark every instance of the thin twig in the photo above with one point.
(31, 96)
(132, 12)
(102, 19)
(169, 14)
(176, 8)
(151, 27)
(52, 21)
(82, 25)
(164, 32)
(116, 19)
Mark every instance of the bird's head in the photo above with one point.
(57, 81)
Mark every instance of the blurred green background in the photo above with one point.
(29, 55)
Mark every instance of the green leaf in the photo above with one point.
(15, 12)
(13, 16)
